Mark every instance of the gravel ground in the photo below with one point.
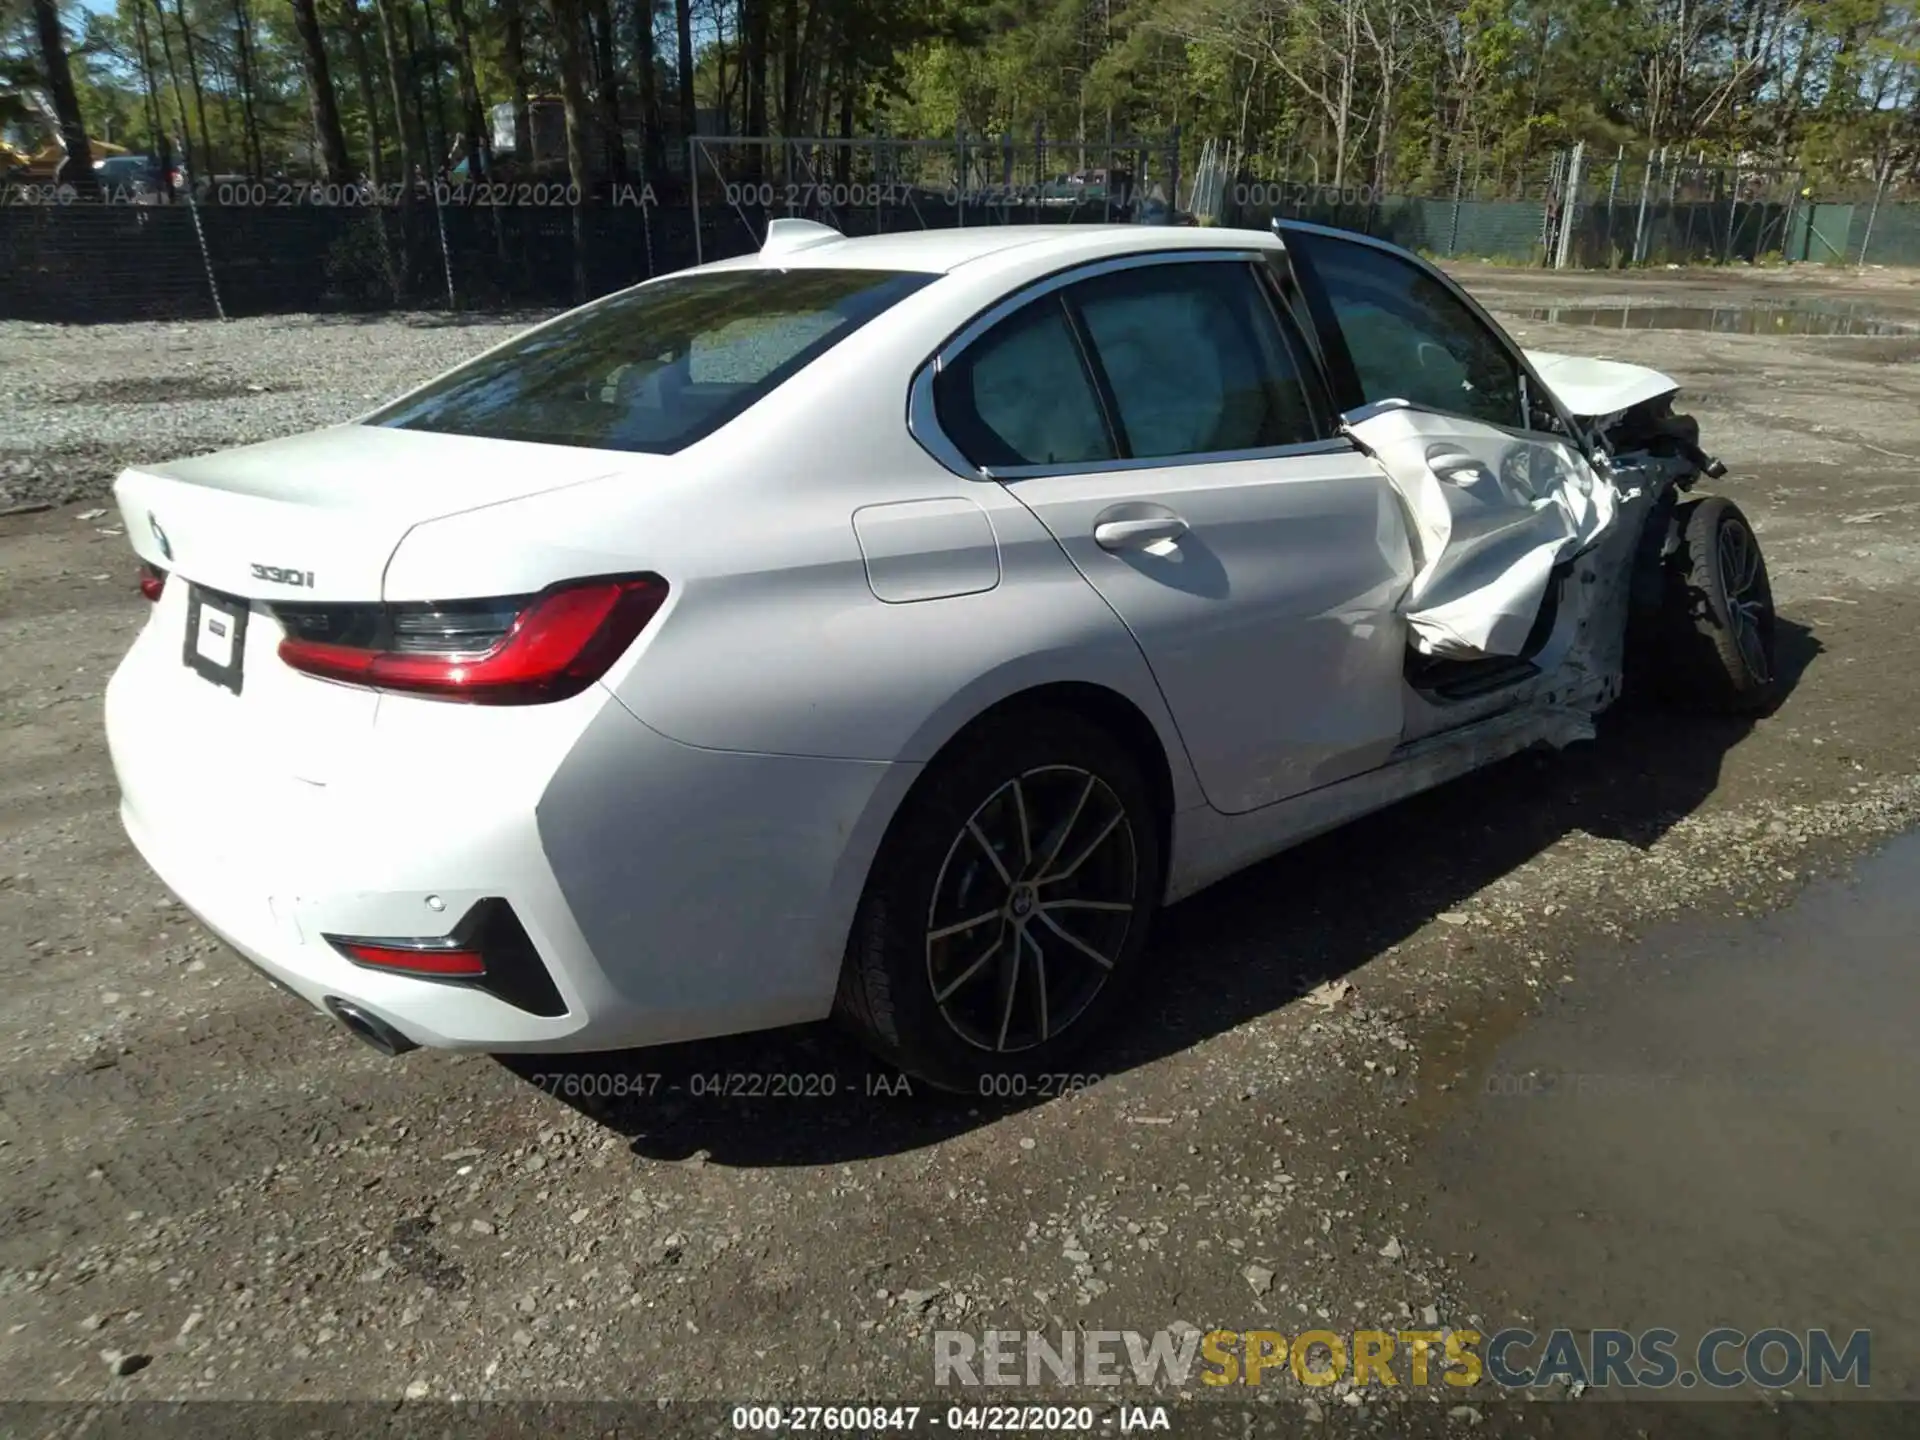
(202, 1174)
(82, 403)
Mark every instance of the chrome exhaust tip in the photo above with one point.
(370, 1028)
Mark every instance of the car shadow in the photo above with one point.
(1248, 946)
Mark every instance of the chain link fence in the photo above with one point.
(1673, 207)
(1581, 209)
(1465, 206)
(94, 262)
(256, 249)
(883, 184)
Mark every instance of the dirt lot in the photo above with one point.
(200, 1173)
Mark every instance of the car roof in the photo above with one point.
(943, 251)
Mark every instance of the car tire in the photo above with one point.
(1008, 908)
(1714, 648)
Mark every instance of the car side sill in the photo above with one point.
(1208, 846)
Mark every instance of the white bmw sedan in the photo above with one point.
(887, 628)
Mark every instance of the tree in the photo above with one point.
(606, 83)
(753, 25)
(326, 112)
(173, 83)
(646, 62)
(364, 84)
(413, 139)
(193, 75)
(436, 132)
(683, 25)
(1315, 44)
(156, 115)
(516, 56)
(568, 27)
(472, 121)
(244, 73)
(1411, 95)
(77, 169)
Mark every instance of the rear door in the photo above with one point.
(1496, 492)
(1155, 414)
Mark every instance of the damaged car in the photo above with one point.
(887, 628)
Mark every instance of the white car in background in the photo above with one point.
(888, 627)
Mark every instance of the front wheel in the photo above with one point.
(1716, 642)
(1008, 907)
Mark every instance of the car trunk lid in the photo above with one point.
(317, 516)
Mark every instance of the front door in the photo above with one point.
(1495, 496)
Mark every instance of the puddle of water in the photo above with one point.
(1716, 1127)
(1726, 319)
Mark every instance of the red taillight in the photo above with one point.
(152, 581)
(414, 959)
(563, 641)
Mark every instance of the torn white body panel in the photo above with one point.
(1595, 389)
(1492, 513)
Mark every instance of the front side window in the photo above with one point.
(656, 368)
(1410, 337)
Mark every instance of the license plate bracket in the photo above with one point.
(216, 636)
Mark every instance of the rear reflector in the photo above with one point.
(413, 957)
(152, 581)
(489, 950)
(496, 652)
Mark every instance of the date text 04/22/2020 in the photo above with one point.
(869, 1420)
(791, 1085)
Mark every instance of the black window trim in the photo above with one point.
(923, 420)
(1344, 380)
(1270, 280)
(1091, 366)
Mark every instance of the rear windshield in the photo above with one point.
(656, 368)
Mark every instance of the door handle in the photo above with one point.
(1138, 534)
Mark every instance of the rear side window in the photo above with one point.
(1020, 395)
(1410, 337)
(657, 368)
(1194, 360)
(1153, 362)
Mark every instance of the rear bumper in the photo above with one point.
(672, 893)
